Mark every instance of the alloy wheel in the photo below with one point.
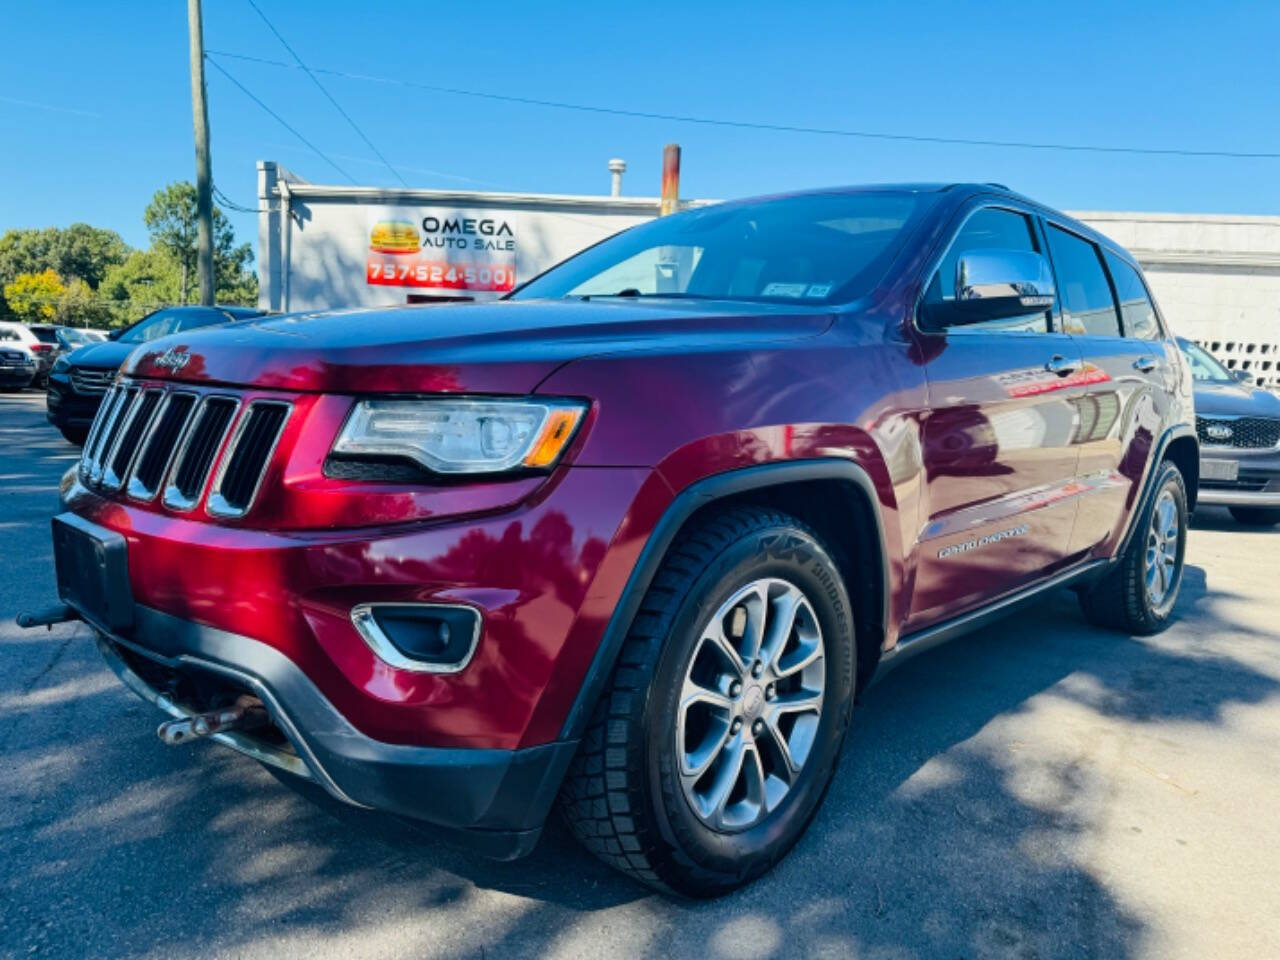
(750, 705)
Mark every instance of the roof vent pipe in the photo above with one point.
(617, 167)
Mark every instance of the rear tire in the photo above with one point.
(1138, 593)
(1256, 516)
(630, 796)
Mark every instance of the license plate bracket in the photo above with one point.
(1227, 470)
(92, 567)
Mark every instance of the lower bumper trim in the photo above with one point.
(497, 798)
(1238, 498)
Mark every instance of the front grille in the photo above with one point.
(148, 439)
(1245, 433)
(13, 358)
(92, 380)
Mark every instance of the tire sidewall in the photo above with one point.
(789, 553)
(1170, 479)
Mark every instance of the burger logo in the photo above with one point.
(394, 236)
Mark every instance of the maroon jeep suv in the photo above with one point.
(631, 541)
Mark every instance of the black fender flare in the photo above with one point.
(1175, 432)
(687, 502)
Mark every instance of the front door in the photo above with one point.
(1000, 465)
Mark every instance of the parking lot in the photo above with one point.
(1040, 789)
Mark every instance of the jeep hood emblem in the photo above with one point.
(172, 359)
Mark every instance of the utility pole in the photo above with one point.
(204, 176)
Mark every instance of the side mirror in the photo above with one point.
(1244, 376)
(114, 334)
(996, 285)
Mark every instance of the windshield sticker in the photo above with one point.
(784, 290)
(818, 290)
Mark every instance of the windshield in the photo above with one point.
(816, 248)
(1204, 368)
(164, 322)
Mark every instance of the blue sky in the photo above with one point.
(96, 106)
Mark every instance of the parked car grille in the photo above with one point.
(151, 440)
(13, 358)
(1246, 433)
(92, 380)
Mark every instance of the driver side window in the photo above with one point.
(990, 228)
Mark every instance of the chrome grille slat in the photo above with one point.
(204, 438)
(116, 468)
(248, 455)
(158, 447)
(95, 431)
(115, 433)
(109, 416)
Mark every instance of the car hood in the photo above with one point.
(108, 354)
(1235, 400)
(501, 347)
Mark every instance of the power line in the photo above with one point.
(230, 204)
(283, 122)
(774, 127)
(328, 96)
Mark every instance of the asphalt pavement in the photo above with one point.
(1040, 789)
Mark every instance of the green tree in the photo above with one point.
(33, 297)
(147, 280)
(79, 306)
(171, 219)
(78, 251)
(87, 253)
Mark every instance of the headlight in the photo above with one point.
(462, 436)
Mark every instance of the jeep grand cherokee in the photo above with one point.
(631, 541)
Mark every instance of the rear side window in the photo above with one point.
(45, 334)
(1087, 304)
(1136, 309)
(990, 228)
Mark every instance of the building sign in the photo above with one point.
(442, 250)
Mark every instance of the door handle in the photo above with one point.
(1061, 365)
(1145, 364)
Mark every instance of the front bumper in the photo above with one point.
(17, 376)
(497, 798)
(69, 408)
(1257, 483)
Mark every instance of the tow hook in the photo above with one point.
(247, 713)
(58, 613)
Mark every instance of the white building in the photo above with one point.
(1217, 278)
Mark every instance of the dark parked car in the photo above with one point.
(635, 537)
(1238, 424)
(79, 379)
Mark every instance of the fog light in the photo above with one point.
(420, 637)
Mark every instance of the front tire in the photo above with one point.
(713, 745)
(1138, 593)
(1256, 516)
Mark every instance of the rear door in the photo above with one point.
(1106, 308)
(999, 462)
